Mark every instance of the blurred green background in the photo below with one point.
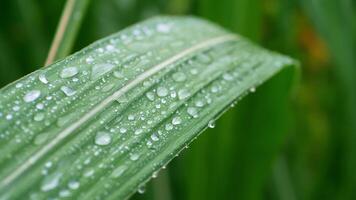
(276, 143)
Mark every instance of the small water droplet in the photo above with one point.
(50, 182)
(154, 137)
(101, 69)
(179, 77)
(199, 103)
(168, 127)
(163, 28)
(123, 130)
(134, 156)
(107, 87)
(42, 78)
(39, 117)
(102, 138)
(138, 131)
(68, 72)
(141, 189)
(192, 111)
(228, 77)
(73, 184)
(118, 74)
(131, 117)
(8, 116)
(211, 124)
(68, 91)
(89, 60)
(40, 106)
(32, 95)
(16, 108)
(176, 120)
(162, 91)
(41, 138)
(64, 193)
(119, 171)
(150, 96)
(253, 89)
(183, 94)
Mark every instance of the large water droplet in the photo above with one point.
(102, 138)
(32, 95)
(101, 69)
(68, 72)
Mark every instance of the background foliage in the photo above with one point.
(267, 147)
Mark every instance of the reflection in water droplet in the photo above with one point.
(102, 138)
(32, 95)
(68, 72)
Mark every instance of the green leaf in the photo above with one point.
(102, 122)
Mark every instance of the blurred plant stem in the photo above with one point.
(67, 29)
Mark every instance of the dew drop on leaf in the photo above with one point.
(150, 96)
(42, 78)
(101, 69)
(32, 95)
(162, 91)
(50, 182)
(211, 124)
(73, 184)
(102, 138)
(68, 91)
(183, 94)
(179, 77)
(68, 72)
(192, 111)
(176, 120)
(119, 171)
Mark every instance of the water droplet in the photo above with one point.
(162, 91)
(40, 106)
(118, 74)
(176, 120)
(228, 77)
(73, 184)
(199, 103)
(18, 85)
(183, 94)
(102, 138)
(107, 87)
(32, 95)
(179, 77)
(141, 189)
(134, 156)
(101, 69)
(89, 60)
(163, 28)
(168, 127)
(138, 131)
(118, 171)
(192, 111)
(41, 138)
(68, 72)
(50, 182)
(154, 137)
(68, 91)
(150, 96)
(64, 193)
(8, 116)
(39, 117)
(253, 89)
(42, 78)
(16, 108)
(211, 124)
(123, 130)
(204, 58)
(131, 117)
